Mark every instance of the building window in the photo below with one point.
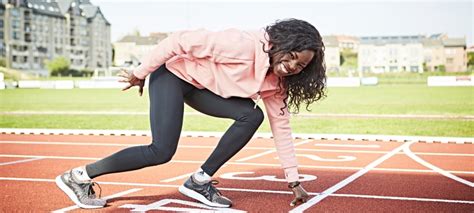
(16, 35)
(414, 68)
(16, 24)
(15, 12)
(449, 60)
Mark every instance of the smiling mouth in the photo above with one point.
(283, 69)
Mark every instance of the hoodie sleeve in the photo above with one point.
(199, 44)
(190, 43)
(280, 125)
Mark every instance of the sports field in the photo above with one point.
(390, 109)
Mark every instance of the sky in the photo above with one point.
(341, 17)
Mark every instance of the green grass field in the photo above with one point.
(392, 99)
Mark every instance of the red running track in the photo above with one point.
(353, 176)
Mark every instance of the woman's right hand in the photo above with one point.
(132, 80)
(301, 196)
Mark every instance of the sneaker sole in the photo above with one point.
(192, 194)
(72, 195)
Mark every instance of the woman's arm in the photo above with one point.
(191, 43)
(280, 125)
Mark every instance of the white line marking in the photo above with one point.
(255, 191)
(407, 151)
(107, 198)
(348, 180)
(177, 178)
(349, 145)
(392, 138)
(245, 164)
(299, 115)
(404, 198)
(160, 206)
(269, 151)
(256, 156)
(19, 161)
(339, 158)
(247, 148)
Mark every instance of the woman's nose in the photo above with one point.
(292, 66)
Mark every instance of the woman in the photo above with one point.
(218, 74)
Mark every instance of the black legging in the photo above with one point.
(167, 95)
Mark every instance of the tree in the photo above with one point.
(3, 62)
(58, 66)
(470, 59)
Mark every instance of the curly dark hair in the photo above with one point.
(293, 35)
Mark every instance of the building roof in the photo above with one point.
(50, 8)
(59, 8)
(429, 42)
(454, 42)
(382, 40)
(330, 41)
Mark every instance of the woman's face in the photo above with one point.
(291, 63)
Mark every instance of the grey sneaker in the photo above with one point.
(80, 192)
(206, 193)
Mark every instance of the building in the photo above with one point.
(132, 48)
(332, 55)
(434, 54)
(391, 54)
(348, 42)
(414, 53)
(456, 54)
(38, 30)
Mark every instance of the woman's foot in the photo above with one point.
(80, 192)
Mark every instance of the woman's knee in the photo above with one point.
(253, 116)
(156, 155)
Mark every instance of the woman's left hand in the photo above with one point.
(301, 196)
(132, 80)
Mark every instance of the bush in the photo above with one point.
(87, 72)
(58, 66)
(442, 68)
(3, 62)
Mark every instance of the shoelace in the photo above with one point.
(210, 187)
(90, 190)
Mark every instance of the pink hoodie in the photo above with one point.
(230, 63)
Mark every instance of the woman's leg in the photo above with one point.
(166, 118)
(247, 120)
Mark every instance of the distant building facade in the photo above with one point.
(38, 30)
(332, 53)
(131, 49)
(416, 53)
(347, 42)
(390, 54)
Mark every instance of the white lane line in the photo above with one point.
(388, 138)
(177, 178)
(349, 179)
(247, 148)
(254, 190)
(349, 145)
(407, 151)
(405, 198)
(187, 175)
(270, 151)
(19, 161)
(107, 198)
(248, 164)
(256, 156)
